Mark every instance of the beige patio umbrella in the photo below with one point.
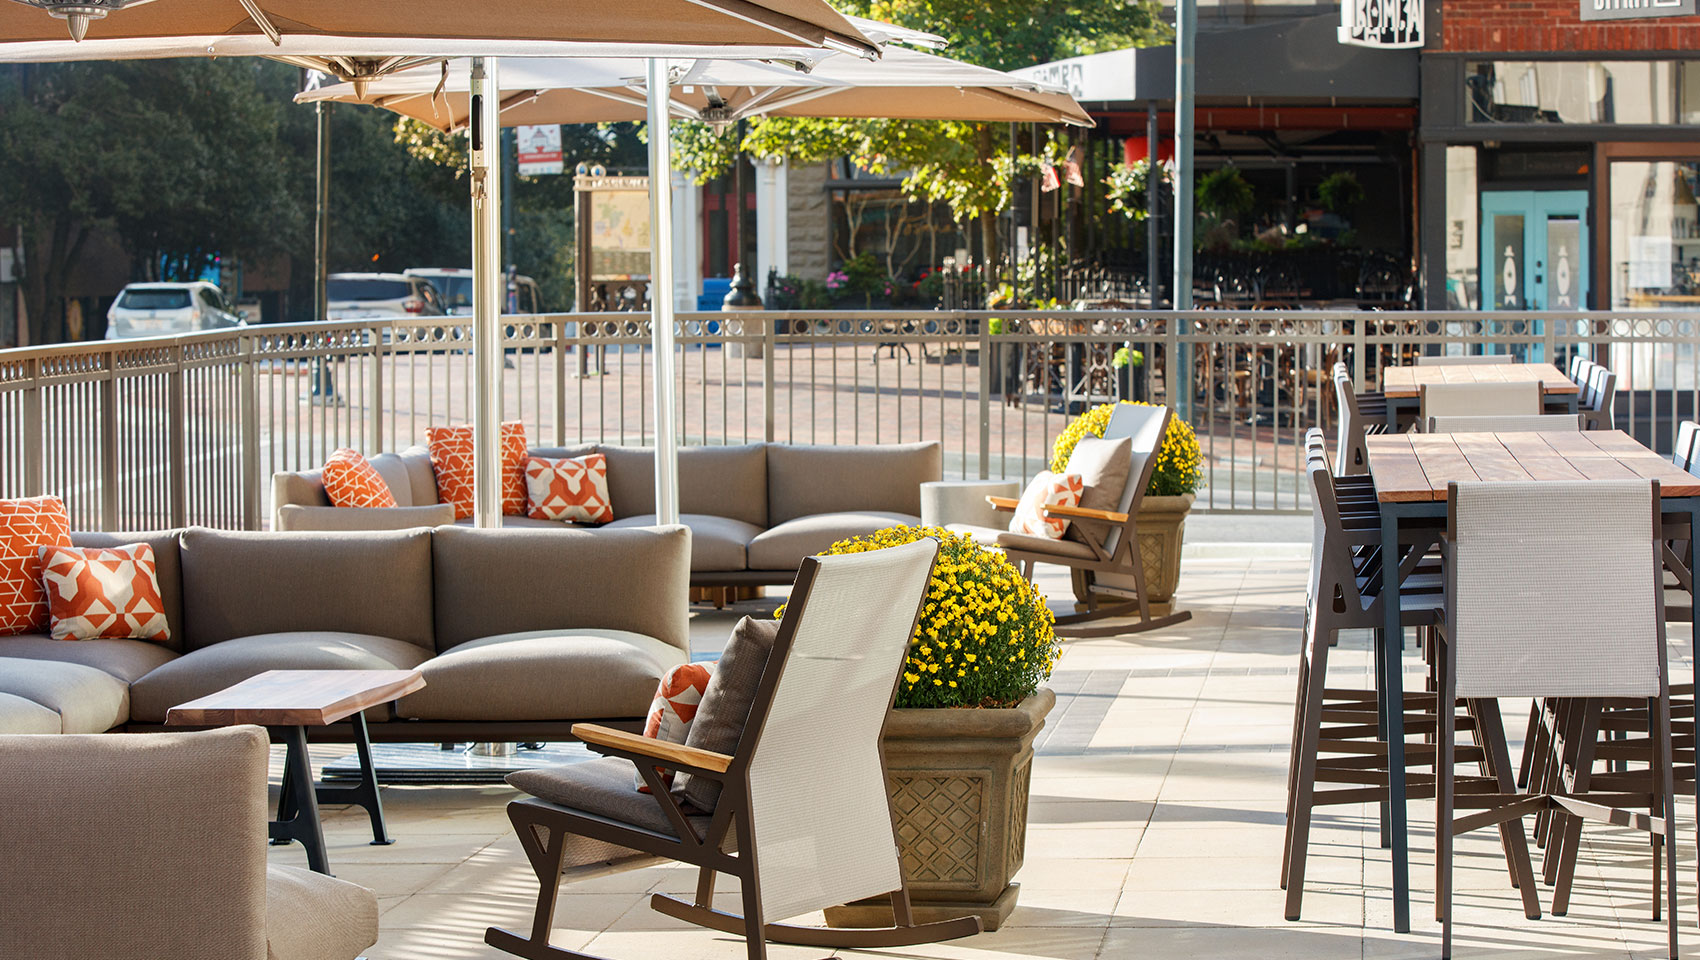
(902, 85)
(358, 41)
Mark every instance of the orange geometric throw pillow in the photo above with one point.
(451, 460)
(104, 593)
(25, 527)
(674, 707)
(350, 481)
(1047, 490)
(575, 489)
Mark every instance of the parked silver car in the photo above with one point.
(358, 296)
(163, 309)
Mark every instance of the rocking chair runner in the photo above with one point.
(803, 820)
(1106, 553)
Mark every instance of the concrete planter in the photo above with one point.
(1162, 525)
(958, 782)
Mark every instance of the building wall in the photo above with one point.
(809, 235)
(1550, 26)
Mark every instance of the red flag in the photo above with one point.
(1047, 177)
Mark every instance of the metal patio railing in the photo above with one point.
(163, 432)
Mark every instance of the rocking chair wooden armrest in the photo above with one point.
(1084, 513)
(634, 747)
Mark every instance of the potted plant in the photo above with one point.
(959, 743)
(1175, 480)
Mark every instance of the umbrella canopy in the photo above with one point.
(354, 39)
(903, 85)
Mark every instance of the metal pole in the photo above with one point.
(1153, 204)
(1186, 32)
(661, 293)
(322, 211)
(484, 129)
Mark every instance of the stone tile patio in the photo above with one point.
(1155, 828)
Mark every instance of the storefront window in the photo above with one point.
(1463, 288)
(1606, 91)
(1655, 236)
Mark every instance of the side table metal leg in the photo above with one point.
(365, 792)
(304, 824)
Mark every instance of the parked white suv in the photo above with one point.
(455, 284)
(163, 309)
(357, 296)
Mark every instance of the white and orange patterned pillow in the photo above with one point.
(25, 527)
(104, 593)
(574, 489)
(1047, 490)
(350, 481)
(674, 707)
(451, 461)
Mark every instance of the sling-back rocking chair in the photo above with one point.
(803, 819)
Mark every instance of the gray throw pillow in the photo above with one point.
(1103, 466)
(726, 705)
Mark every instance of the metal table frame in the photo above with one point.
(1389, 657)
(298, 802)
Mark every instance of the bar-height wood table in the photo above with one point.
(286, 703)
(1403, 386)
(1411, 472)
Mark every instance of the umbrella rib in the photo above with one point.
(262, 21)
(790, 26)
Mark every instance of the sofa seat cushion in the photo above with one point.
(310, 916)
(211, 669)
(87, 700)
(717, 543)
(785, 546)
(292, 517)
(603, 787)
(128, 660)
(570, 674)
(521, 522)
(23, 715)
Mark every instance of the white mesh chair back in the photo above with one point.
(1552, 589)
(1683, 453)
(1144, 426)
(1480, 399)
(1527, 423)
(822, 820)
(1472, 360)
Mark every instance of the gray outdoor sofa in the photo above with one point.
(519, 633)
(755, 510)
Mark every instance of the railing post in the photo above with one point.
(1358, 359)
(176, 442)
(375, 388)
(561, 382)
(1550, 327)
(986, 361)
(109, 444)
(768, 325)
(251, 482)
(35, 436)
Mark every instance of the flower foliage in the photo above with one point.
(1179, 467)
(985, 637)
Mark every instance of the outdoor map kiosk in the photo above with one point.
(613, 242)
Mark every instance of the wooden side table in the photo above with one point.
(286, 703)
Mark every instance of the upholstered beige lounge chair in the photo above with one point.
(803, 819)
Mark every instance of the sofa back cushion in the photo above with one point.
(168, 569)
(491, 582)
(716, 481)
(236, 584)
(806, 480)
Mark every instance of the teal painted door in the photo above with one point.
(1534, 252)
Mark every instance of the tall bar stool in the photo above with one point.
(1552, 590)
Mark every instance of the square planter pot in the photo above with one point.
(958, 781)
(1162, 526)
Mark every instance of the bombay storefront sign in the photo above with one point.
(1386, 24)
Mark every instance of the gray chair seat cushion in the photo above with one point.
(718, 544)
(572, 674)
(128, 660)
(783, 547)
(22, 715)
(514, 522)
(604, 787)
(211, 669)
(87, 700)
(310, 916)
(990, 537)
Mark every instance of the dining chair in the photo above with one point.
(1355, 422)
(1552, 590)
(1597, 399)
(1523, 423)
(1579, 369)
(1682, 454)
(1468, 360)
(1479, 399)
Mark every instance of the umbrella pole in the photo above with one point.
(484, 129)
(661, 294)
